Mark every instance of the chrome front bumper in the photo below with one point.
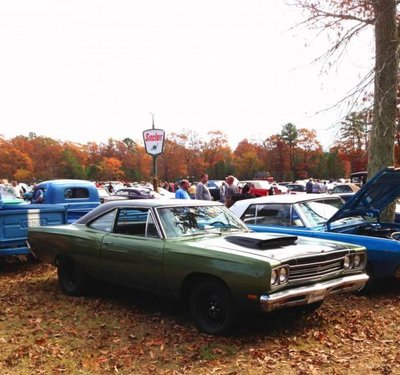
(313, 293)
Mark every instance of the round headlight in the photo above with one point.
(274, 277)
(357, 260)
(347, 262)
(283, 275)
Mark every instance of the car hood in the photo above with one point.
(268, 245)
(373, 197)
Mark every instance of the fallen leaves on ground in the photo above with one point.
(117, 331)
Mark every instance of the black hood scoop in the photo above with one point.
(252, 242)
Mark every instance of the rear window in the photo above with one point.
(76, 193)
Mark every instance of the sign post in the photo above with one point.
(154, 144)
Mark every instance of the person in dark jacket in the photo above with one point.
(309, 186)
(244, 194)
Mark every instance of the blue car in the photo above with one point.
(327, 216)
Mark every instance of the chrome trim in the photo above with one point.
(312, 267)
(313, 293)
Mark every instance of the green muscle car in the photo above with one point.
(201, 253)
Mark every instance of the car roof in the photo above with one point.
(285, 198)
(69, 182)
(144, 203)
(354, 186)
(258, 184)
(240, 206)
(134, 189)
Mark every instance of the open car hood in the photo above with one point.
(373, 197)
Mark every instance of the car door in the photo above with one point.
(133, 252)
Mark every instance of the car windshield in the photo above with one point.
(198, 220)
(317, 213)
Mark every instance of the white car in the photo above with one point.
(287, 209)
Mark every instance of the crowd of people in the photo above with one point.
(15, 189)
(229, 191)
(316, 186)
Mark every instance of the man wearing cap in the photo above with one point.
(182, 192)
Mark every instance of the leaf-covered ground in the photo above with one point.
(118, 331)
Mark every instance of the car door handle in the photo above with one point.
(107, 243)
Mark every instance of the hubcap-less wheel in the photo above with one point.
(70, 277)
(212, 307)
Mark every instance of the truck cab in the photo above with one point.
(62, 202)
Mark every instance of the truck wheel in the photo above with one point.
(212, 308)
(70, 278)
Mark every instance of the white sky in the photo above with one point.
(88, 70)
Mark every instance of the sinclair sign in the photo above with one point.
(154, 141)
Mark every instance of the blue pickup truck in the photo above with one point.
(61, 202)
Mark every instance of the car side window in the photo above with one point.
(151, 229)
(274, 214)
(136, 222)
(268, 214)
(249, 215)
(131, 221)
(104, 223)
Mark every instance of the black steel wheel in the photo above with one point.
(212, 307)
(71, 279)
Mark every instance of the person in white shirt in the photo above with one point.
(324, 188)
(17, 189)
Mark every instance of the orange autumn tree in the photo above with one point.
(217, 155)
(277, 158)
(247, 161)
(170, 165)
(308, 153)
(73, 161)
(93, 152)
(14, 163)
(45, 153)
(191, 147)
(110, 169)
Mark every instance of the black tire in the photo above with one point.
(30, 258)
(372, 285)
(71, 279)
(212, 307)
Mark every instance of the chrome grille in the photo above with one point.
(315, 267)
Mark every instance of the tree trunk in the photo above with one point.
(381, 147)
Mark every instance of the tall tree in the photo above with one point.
(277, 160)
(192, 146)
(309, 151)
(289, 135)
(217, 155)
(247, 163)
(354, 131)
(381, 149)
(170, 166)
(383, 15)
